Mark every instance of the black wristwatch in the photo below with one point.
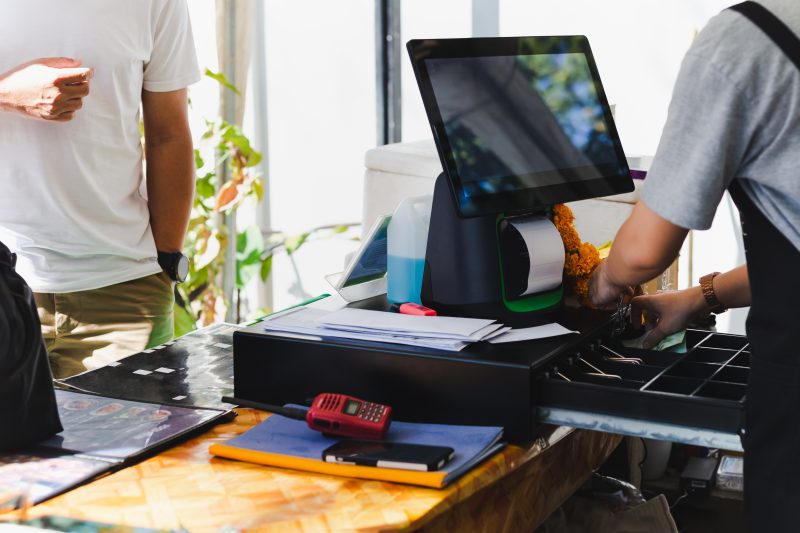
(175, 264)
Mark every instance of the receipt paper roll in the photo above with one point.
(532, 256)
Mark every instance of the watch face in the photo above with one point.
(182, 269)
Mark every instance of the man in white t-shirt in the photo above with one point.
(98, 247)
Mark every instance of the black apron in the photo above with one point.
(772, 422)
(28, 411)
(772, 425)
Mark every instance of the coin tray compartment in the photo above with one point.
(704, 387)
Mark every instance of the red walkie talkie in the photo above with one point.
(334, 414)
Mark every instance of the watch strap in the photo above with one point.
(168, 261)
(707, 287)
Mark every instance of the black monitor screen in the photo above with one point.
(517, 130)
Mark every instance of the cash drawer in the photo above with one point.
(588, 379)
(700, 390)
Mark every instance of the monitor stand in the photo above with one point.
(463, 274)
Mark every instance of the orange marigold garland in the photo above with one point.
(562, 215)
(581, 258)
(569, 235)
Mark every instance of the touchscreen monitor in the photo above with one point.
(520, 123)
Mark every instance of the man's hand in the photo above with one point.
(51, 88)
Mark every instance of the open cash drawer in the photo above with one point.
(696, 397)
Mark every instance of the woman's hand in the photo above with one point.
(603, 293)
(665, 313)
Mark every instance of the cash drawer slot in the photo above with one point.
(702, 389)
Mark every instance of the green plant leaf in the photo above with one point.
(208, 235)
(259, 314)
(258, 188)
(266, 268)
(340, 229)
(244, 273)
(195, 222)
(210, 252)
(249, 248)
(204, 187)
(248, 243)
(184, 321)
(234, 135)
(294, 243)
(197, 278)
(254, 158)
(222, 80)
(198, 160)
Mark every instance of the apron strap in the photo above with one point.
(773, 27)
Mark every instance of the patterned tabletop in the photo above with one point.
(185, 487)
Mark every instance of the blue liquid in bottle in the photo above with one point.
(404, 282)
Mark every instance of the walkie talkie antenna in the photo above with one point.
(288, 412)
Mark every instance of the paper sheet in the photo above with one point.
(536, 332)
(306, 321)
(443, 333)
(362, 320)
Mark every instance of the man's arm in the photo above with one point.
(170, 166)
(50, 88)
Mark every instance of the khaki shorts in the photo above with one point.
(89, 329)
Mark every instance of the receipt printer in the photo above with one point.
(509, 269)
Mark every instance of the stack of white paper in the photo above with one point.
(443, 333)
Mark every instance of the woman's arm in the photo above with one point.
(665, 313)
(645, 245)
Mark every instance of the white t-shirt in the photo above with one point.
(70, 200)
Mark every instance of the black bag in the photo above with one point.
(28, 411)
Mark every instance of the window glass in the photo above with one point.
(321, 108)
(637, 44)
(321, 120)
(421, 19)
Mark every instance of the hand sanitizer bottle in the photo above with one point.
(407, 240)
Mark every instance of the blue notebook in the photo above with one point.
(287, 443)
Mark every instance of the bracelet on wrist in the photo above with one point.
(707, 287)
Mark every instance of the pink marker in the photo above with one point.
(416, 309)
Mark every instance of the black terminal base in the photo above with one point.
(463, 274)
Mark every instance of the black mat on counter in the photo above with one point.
(194, 370)
(100, 435)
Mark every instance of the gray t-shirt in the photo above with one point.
(735, 113)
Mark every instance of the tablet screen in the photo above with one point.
(371, 259)
(519, 122)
